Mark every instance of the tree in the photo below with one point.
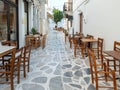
(57, 15)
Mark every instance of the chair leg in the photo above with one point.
(102, 60)
(28, 66)
(115, 65)
(114, 80)
(24, 69)
(92, 76)
(18, 67)
(105, 71)
(96, 82)
(75, 50)
(12, 83)
(119, 67)
(108, 66)
(82, 50)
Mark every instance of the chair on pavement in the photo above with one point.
(112, 62)
(6, 71)
(44, 41)
(37, 41)
(18, 56)
(25, 60)
(78, 44)
(10, 43)
(99, 49)
(84, 45)
(105, 74)
(89, 45)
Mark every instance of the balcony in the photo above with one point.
(68, 8)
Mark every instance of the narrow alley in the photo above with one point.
(55, 68)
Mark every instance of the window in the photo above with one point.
(14, 1)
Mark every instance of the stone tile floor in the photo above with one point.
(55, 68)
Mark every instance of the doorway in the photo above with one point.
(81, 22)
(8, 20)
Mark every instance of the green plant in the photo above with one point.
(33, 31)
(58, 15)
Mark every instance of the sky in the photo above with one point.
(59, 5)
(56, 3)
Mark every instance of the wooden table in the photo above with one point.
(89, 41)
(86, 40)
(115, 55)
(6, 49)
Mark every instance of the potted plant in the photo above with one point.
(33, 31)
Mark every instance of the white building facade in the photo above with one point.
(100, 18)
(36, 17)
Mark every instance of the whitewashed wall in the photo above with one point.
(21, 24)
(101, 19)
(44, 20)
(30, 9)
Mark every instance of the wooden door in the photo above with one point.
(81, 22)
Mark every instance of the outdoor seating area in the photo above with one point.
(12, 60)
(59, 45)
(109, 60)
(36, 41)
(42, 68)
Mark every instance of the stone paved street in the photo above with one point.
(55, 68)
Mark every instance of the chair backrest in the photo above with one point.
(92, 60)
(30, 40)
(100, 47)
(116, 46)
(12, 59)
(106, 70)
(18, 53)
(10, 43)
(26, 52)
(90, 36)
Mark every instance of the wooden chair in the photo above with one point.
(90, 36)
(37, 41)
(89, 45)
(99, 49)
(77, 43)
(43, 41)
(96, 73)
(113, 60)
(83, 46)
(25, 60)
(10, 43)
(30, 40)
(70, 40)
(7, 71)
(18, 56)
